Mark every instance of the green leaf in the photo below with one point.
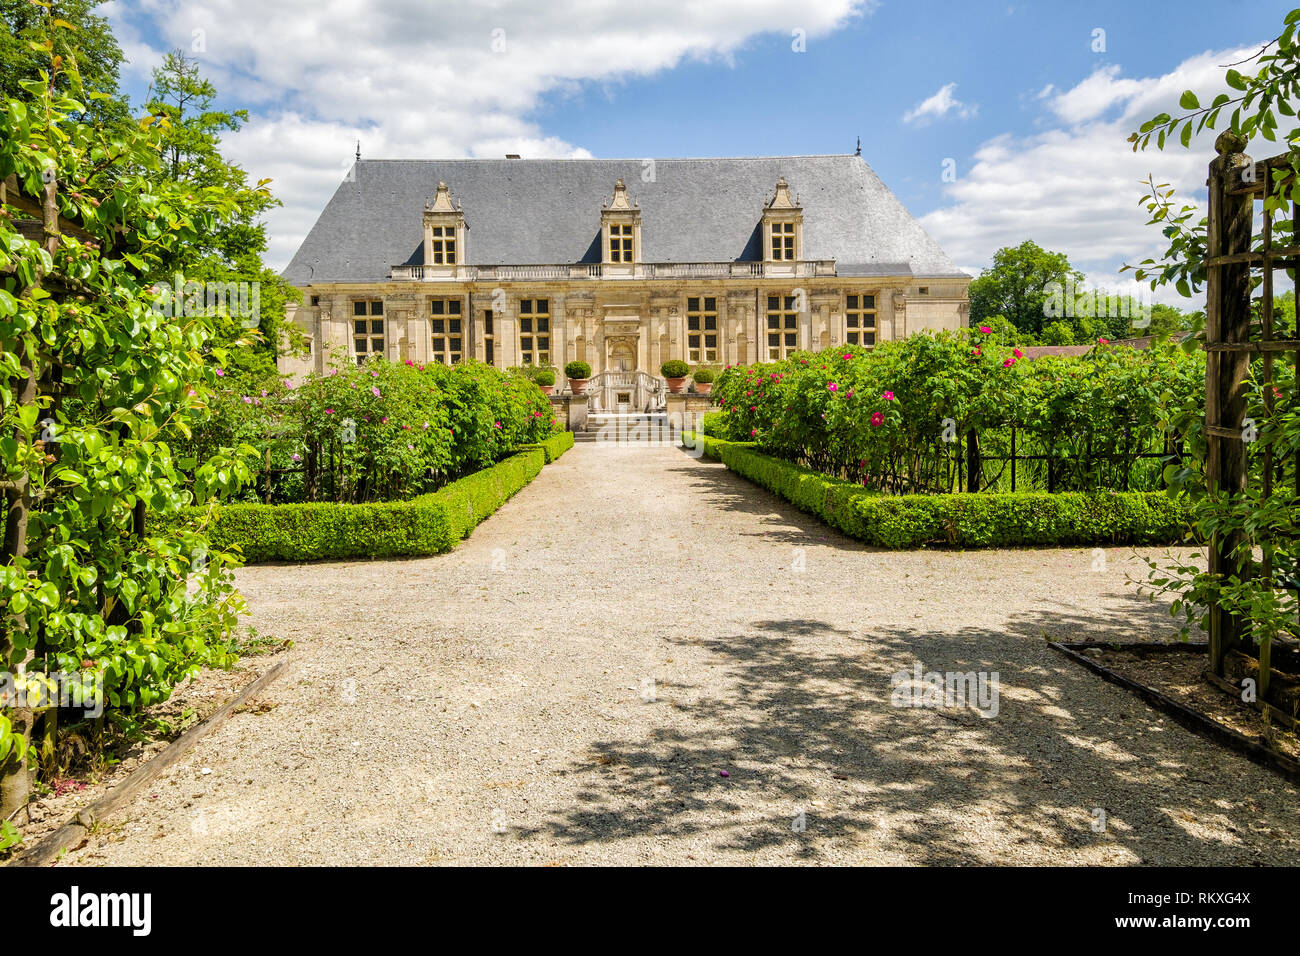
(1188, 101)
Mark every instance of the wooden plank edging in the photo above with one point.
(1183, 715)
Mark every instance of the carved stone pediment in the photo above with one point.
(781, 198)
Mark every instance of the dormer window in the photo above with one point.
(783, 226)
(620, 226)
(620, 242)
(444, 245)
(783, 241)
(444, 231)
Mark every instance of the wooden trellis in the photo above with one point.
(1233, 344)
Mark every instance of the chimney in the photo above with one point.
(512, 155)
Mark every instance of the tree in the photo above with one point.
(98, 390)
(1166, 319)
(1016, 286)
(94, 56)
(1059, 332)
(233, 251)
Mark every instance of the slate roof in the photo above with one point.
(547, 211)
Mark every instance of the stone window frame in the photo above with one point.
(782, 238)
(534, 324)
(861, 322)
(786, 329)
(443, 245)
(700, 312)
(621, 243)
(370, 314)
(489, 336)
(441, 348)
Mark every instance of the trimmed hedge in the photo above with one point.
(429, 524)
(961, 520)
(713, 424)
(555, 446)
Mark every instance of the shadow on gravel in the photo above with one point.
(775, 519)
(805, 723)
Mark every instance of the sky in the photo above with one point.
(992, 122)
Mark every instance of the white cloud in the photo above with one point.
(939, 105)
(1075, 188)
(412, 79)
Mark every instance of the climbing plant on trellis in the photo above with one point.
(1252, 426)
(1244, 472)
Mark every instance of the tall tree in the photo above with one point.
(192, 127)
(87, 48)
(1016, 286)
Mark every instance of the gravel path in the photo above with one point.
(571, 684)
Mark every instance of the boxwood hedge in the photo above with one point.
(961, 520)
(429, 524)
(555, 446)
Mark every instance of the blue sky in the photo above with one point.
(862, 79)
(1032, 116)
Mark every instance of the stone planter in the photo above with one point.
(578, 385)
(676, 385)
(703, 388)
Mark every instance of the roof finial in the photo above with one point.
(858, 152)
(358, 151)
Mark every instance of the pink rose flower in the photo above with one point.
(888, 396)
(877, 419)
(985, 329)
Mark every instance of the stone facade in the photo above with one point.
(619, 313)
(616, 323)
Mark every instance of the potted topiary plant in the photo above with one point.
(545, 379)
(577, 373)
(675, 371)
(703, 378)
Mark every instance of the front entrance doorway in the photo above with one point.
(622, 357)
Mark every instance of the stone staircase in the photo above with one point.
(630, 428)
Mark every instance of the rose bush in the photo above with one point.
(380, 431)
(897, 417)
